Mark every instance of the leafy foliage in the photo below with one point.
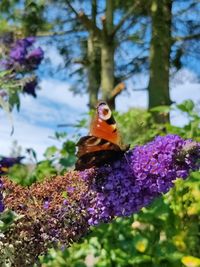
(56, 160)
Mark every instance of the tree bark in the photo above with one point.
(160, 49)
(93, 51)
(107, 55)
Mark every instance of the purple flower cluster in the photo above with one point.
(22, 59)
(60, 210)
(22, 53)
(143, 174)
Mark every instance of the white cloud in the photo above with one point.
(27, 135)
(53, 54)
(58, 91)
(38, 118)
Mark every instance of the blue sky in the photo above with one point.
(37, 120)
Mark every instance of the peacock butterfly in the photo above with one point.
(103, 144)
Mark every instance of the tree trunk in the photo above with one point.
(94, 72)
(107, 56)
(107, 73)
(160, 49)
(93, 54)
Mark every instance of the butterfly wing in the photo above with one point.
(94, 151)
(103, 144)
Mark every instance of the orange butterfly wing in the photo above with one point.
(102, 145)
(102, 129)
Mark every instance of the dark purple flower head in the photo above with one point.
(6, 64)
(10, 161)
(143, 174)
(25, 42)
(30, 88)
(1, 204)
(18, 53)
(35, 57)
(7, 162)
(29, 41)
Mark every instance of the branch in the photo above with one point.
(117, 90)
(72, 8)
(82, 61)
(47, 34)
(104, 28)
(186, 38)
(140, 89)
(88, 23)
(61, 209)
(122, 21)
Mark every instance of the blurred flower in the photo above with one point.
(6, 64)
(190, 261)
(24, 54)
(7, 162)
(34, 58)
(1, 203)
(18, 53)
(30, 88)
(3, 93)
(20, 60)
(46, 204)
(6, 38)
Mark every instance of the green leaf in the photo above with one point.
(7, 218)
(67, 162)
(14, 99)
(186, 106)
(50, 151)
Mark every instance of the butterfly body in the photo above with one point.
(103, 144)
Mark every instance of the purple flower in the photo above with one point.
(35, 57)
(10, 161)
(143, 174)
(46, 204)
(1, 205)
(18, 53)
(6, 64)
(22, 54)
(29, 41)
(7, 162)
(30, 88)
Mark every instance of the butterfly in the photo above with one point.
(103, 144)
